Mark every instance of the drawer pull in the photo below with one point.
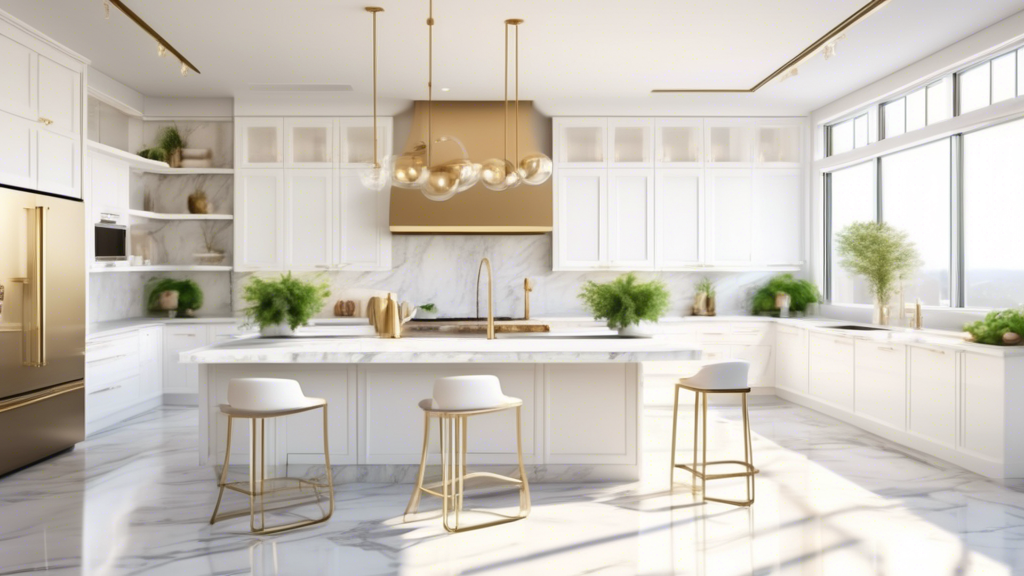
(110, 359)
(45, 121)
(843, 342)
(714, 333)
(186, 334)
(107, 389)
(935, 351)
(888, 348)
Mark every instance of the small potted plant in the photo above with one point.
(624, 303)
(704, 298)
(280, 306)
(882, 255)
(427, 311)
(799, 293)
(176, 297)
(1001, 328)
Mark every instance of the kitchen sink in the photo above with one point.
(858, 328)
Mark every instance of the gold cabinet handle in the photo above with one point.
(45, 121)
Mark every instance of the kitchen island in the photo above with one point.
(581, 401)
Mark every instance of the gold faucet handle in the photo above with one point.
(528, 285)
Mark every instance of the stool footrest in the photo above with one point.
(692, 468)
(273, 486)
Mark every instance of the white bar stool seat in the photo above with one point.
(727, 377)
(454, 400)
(257, 399)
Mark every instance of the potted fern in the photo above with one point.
(178, 298)
(624, 303)
(280, 306)
(800, 293)
(880, 253)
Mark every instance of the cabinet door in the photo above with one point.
(260, 142)
(777, 142)
(679, 226)
(730, 216)
(580, 240)
(581, 142)
(259, 220)
(933, 394)
(830, 369)
(777, 217)
(17, 146)
(18, 76)
(308, 199)
(151, 355)
(791, 358)
(630, 143)
(182, 378)
(631, 218)
(59, 164)
(679, 142)
(355, 141)
(880, 380)
(983, 401)
(108, 184)
(362, 238)
(762, 366)
(60, 98)
(309, 142)
(727, 143)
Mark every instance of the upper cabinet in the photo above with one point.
(679, 193)
(679, 142)
(40, 113)
(259, 142)
(355, 141)
(309, 142)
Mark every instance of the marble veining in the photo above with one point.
(831, 499)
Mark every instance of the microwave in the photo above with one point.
(111, 242)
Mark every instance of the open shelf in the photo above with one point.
(163, 268)
(162, 216)
(134, 160)
(183, 171)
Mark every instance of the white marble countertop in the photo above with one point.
(582, 347)
(113, 327)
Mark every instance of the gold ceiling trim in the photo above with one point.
(149, 30)
(806, 53)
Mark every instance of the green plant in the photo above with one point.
(624, 301)
(190, 295)
(428, 307)
(287, 300)
(991, 329)
(880, 253)
(171, 139)
(158, 154)
(706, 286)
(801, 293)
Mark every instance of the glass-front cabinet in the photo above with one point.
(777, 143)
(261, 142)
(309, 142)
(630, 142)
(581, 142)
(679, 142)
(355, 141)
(727, 143)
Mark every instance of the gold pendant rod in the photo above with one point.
(504, 140)
(512, 22)
(373, 10)
(430, 78)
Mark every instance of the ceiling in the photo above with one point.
(577, 56)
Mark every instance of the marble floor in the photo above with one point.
(831, 499)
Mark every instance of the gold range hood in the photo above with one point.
(478, 125)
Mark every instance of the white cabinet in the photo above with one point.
(362, 240)
(108, 181)
(778, 142)
(730, 217)
(40, 113)
(830, 369)
(727, 143)
(309, 142)
(260, 142)
(580, 233)
(679, 142)
(881, 382)
(355, 141)
(631, 218)
(151, 362)
(580, 142)
(630, 142)
(777, 217)
(679, 225)
(762, 364)
(182, 378)
(791, 358)
(933, 394)
(259, 220)
(983, 398)
(308, 199)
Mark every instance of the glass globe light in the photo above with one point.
(499, 175)
(409, 171)
(377, 178)
(442, 182)
(535, 169)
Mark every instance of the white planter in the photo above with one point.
(633, 331)
(276, 331)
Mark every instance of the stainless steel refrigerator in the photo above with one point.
(42, 326)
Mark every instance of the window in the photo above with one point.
(848, 134)
(915, 188)
(991, 82)
(851, 199)
(922, 107)
(993, 195)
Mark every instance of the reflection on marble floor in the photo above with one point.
(830, 500)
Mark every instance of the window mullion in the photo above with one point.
(957, 264)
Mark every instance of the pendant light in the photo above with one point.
(378, 176)
(501, 174)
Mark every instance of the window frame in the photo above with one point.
(852, 119)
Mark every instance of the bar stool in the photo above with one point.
(257, 399)
(455, 399)
(728, 377)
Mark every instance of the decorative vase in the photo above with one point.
(703, 305)
(633, 331)
(174, 159)
(198, 203)
(881, 313)
(276, 331)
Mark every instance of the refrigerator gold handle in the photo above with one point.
(39, 284)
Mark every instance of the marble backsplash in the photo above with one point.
(117, 295)
(442, 270)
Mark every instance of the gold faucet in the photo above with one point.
(490, 297)
(527, 288)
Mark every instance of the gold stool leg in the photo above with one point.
(696, 422)
(330, 473)
(223, 475)
(464, 423)
(675, 419)
(524, 488)
(748, 450)
(704, 452)
(253, 426)
(414, 501)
